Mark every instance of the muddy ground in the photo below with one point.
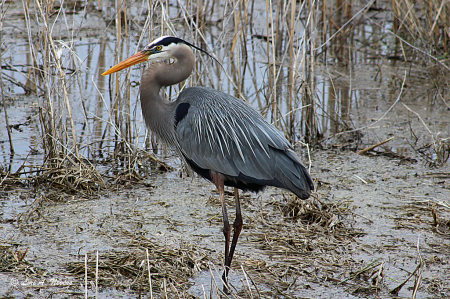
(375, 224)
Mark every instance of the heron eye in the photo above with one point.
(158, 48)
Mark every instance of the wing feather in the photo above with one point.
(226, 135)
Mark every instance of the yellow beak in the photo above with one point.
(135, 59)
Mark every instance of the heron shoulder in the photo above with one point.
(220, 117)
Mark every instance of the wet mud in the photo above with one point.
(373, 222)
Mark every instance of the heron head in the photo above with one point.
(160, 49)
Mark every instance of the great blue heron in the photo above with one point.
(220, 137)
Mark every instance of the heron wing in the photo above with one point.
(226, 135)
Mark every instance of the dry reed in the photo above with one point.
(72, 155)
(271, 62)
(129, 269)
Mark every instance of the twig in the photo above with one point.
(149, 274)
(85, 276)
(368, 267)
(247, 282)
(419, 277)
(379, 274)
(400, 286)
(165, 288)
(213, 281)
(14, 81)
(362, 180)
(254, 284)
(96, 276)
(424, 124)
(374, 146)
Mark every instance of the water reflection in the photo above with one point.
(343, 84)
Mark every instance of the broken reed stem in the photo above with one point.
(418, 278)
(423, 123)
(96, 274)
(85, 276)
(165, 288)
(374, 146)
(149, 274)
(253, 283)
(397, 289)
(379, 275)
(370, 266)
(117, 96)
(291, 71)
(5, 109)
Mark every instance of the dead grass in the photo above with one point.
(170, 267)
(426, 214)
(71, 177)
(305, 242)
(12, 260)
(294, 243)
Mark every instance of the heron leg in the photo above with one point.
(237, 226)
(219, 182)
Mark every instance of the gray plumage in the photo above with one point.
(227, 135)
(220, 137)
(220, 132)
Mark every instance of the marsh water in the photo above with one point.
(376, 221)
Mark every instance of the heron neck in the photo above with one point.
(155, 107)
(158, 112)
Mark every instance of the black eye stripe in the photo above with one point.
(167, 40)
(170, 40)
